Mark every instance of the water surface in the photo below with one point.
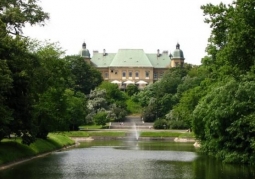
(128, 159)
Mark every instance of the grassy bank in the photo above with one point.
(13, 150)
(99, 133)
(166, 134)
(109, 133)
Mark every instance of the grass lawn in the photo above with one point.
(91, 133)
(107, 133)
(12, 150)
(121, 133)
(94, 127)
(76, 134)
(156, 133)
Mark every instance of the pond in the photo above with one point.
(128, 159)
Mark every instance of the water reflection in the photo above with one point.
(123, 159)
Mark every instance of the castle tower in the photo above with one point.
(85, 53)
(177, 59)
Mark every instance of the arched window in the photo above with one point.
(136, 74)
(130, 74)
(147, 74)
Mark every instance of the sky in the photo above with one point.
(126, 24)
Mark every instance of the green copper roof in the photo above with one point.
(131, 58)
(162, 61)
(178, 53)
(85, 53)
(100, 60)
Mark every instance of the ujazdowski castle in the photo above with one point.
(133, 66)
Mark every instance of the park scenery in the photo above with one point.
(62, 116)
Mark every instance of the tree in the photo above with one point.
(86, 77)
(159, 98)
(76, 109)
(224, 120)
(50, 112)
(18, 65)
(143, 97)
(132, 89)
(101, 118)
(171, 80)
(96, 103)
(50, 100)
(181, 114)
(190, 91)
(5, 111)
(232, 38)
(113, 93)
(14, 15)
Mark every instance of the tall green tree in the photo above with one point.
(159, 98)
(86, 77)
(224, 120)
(132, 89)
(5, 111)
(76, 109)
(232, 41)
(189, 92)
(19, 66)
(113, 93)
(50, 99)
(15, 14)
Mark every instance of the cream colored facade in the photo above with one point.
(133, 66)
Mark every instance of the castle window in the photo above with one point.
(155, 75)
(137, 74)
(124, 74)
(147, 74)
(130, 74)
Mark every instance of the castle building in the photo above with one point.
(133, 66)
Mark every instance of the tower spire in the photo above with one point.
(84, 45)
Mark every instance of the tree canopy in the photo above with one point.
(14, 15)
(223, 120)
(232, 38)
(40, 91)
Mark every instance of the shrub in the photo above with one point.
(160, 124)
(178, 124)
(101, 118)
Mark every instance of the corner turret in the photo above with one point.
(85, 52)
(177, 60)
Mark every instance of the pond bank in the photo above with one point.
(13, 152)
(175, 139)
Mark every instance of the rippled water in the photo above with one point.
(114, 159)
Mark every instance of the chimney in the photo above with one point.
(104, 52)
(95, 51)
(165, 52)
(158, 54)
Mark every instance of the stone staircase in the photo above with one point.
(130, 122)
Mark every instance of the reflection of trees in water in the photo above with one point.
(209, 168)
